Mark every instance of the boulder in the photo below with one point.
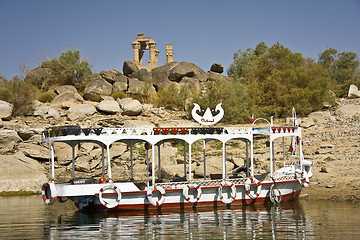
(80, 111)
(67, 97)
(130, 107)
(83, 164)
(214, 76)
(63, 153)
(171, 171)
(129, 67)
(353, 92)
(160, 75)
(142, 75)
(20, 173)
(5, 110)
(52, 113)
(135, 86)
(97, 87)
(35, 151)
(37, 76)
(138, 124)
(7, 136)
(65, 89)
(217, 68)
(348, 110)
(121, 84)
(187, 69)
(109, 106)
(111, 75)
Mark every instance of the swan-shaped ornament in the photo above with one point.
(207, 118)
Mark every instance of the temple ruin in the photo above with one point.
(143, 43)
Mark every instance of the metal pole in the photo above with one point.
(247, 159)
(185, 159)
(102, 160)
(52, 162)
(159, 161)
(73, 163)
(252, 157)
(108, 162)
(224, 174)
(131, 163)
(204, 143)
(147, 168)
(153, 164)
(189, 162)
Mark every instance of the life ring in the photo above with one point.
(232, 195)
(186, 192)
(274, 197)
(303, 179)
(48, 192)
(150, 197)
(248, 182)
(118, 196)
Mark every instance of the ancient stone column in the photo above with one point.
(153, 56)
(169, 54)
(135, 46)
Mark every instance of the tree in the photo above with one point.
(68, 69)
(277, 79)
(343, 69)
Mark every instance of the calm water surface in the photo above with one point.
(28, 218)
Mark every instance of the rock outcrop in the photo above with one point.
(5, 110)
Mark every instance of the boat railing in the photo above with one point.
(201, 183)
(59, 131)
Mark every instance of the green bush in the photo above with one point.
(175, 98)
(231, 94)
(68, 69)
(120, 95)
(19, 93)
(46, 97)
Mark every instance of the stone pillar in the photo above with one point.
(153, 55)
(169, 54)
(135, 46)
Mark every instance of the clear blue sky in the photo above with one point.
(201, 31)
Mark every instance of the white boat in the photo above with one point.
(282, 184)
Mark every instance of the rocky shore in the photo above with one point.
(331, 137)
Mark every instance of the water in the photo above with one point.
(28, 218)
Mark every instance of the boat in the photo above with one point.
(242, 186)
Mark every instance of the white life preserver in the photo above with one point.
(150, 197)
(186, 192)
(118, 196)
(232, 195)
(248, 182)
(48, 192)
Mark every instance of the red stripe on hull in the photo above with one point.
(186, 205)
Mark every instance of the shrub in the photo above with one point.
(46, 97)
(174, 97)
(120, 95)
(19, 93)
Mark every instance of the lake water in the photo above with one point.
(27, 217)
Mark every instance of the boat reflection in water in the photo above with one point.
(285, 221)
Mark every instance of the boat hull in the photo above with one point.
(174, 199)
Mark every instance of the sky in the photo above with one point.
(202, 31)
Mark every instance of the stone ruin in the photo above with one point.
(143, 43)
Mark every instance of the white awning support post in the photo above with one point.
(224, 173)
(131, 163)
(204, 143)
(73, 162)
(108, 162)
(153, 164)
(52, 161)
(189, 162)
(103, 160)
